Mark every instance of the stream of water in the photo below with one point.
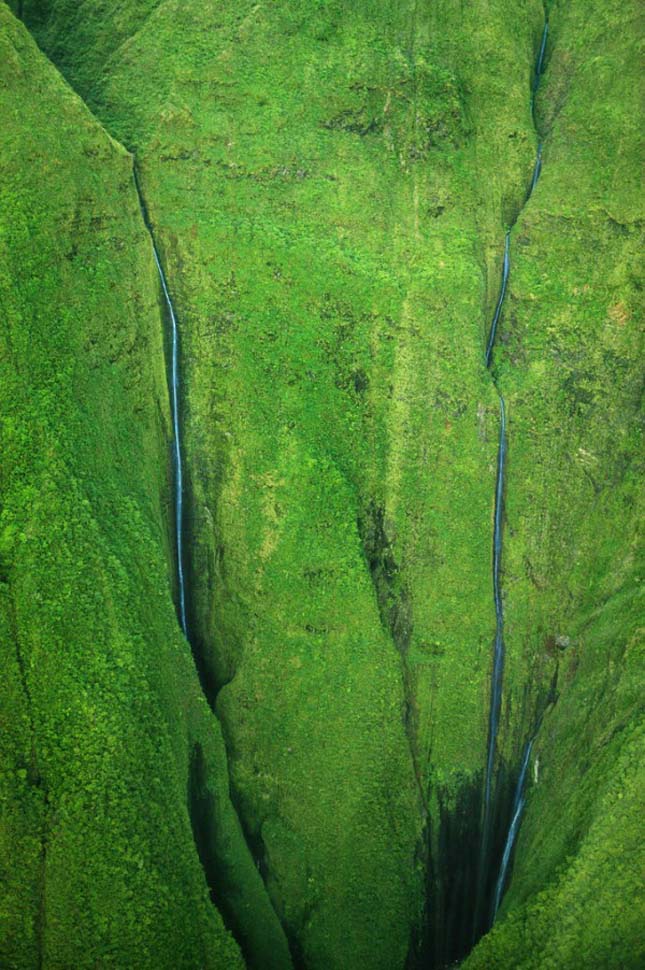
(174, 382)
(516, 817)
(499, 649)
(506, 266)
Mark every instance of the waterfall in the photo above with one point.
(498, 662)
(516, 817)
(539, 64)
(506, 266)
(537, 169)
(176, 427)
(498, 657)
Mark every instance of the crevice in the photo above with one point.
(202, 811)
(223, 877)
(501, 810)
(395, 612)
(392, 594)
(202, 808)
(452, 875)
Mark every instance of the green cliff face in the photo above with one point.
(107, 741)
(329, 186)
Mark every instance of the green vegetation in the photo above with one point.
(570, 365)
(329, 185)
(101, 703)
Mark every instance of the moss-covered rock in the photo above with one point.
(330, 186)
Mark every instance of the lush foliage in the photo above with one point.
(101, 706)
(329, 185)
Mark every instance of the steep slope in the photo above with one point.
(571, 366)
(109, 750)
(330, 186)
(312, 182)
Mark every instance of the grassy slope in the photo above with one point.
(312, 180)
(571, 368)
(330, 189)
(97, 856)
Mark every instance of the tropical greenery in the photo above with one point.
(329, 185)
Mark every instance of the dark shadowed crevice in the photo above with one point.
(219, 868)
(201, 809)
(257, 849)
(452, 872)
(452, 876)
(392, 595)
(395, 611)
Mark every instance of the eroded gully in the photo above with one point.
(202, 811)
(174, 379)
(485, 912)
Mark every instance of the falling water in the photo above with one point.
(518, 807)
(498, 661)
(537, 169)
(539, 64)
(174, 406)
(500, 302)
(174, 393)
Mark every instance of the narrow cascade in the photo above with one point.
(506, 266)
(174, 394)
(486, 848)
(176, 428)
(203, 812)
(516, 817)
(537, 169)
(539, 66)
(498, 662)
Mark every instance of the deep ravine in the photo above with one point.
(485, 912)
(202, 809)
(178, 485)
(516, 818)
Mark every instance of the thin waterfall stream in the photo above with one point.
(506, 266)
(200, 806)
(499, 648)
(498, 657)
(516, 817)
(179, 487)
(176, 426)
(490, 909)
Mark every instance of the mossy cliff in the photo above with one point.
(103, 715)
(329, 186)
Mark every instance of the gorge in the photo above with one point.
(498, 655)
(178, 484)
(274, 401)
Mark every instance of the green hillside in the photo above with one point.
(329, 186)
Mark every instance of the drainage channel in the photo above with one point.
(485, 913)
